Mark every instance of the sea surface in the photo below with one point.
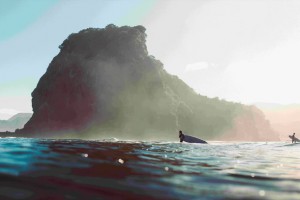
(112, 169)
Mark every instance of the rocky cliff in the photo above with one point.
(103, 83)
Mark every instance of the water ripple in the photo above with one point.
(112, 169)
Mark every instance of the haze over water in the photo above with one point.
(91, 169)
(219, 48)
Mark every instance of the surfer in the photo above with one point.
(189, 139)
(293, 138)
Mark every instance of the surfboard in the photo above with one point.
(191, 139)
(296, 139)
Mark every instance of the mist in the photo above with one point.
(284, 119)
(103, 84)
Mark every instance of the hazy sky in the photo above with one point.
(239, 50)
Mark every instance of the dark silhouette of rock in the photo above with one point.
(15, 122)
(103, 83)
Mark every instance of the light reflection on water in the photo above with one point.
(85, 169)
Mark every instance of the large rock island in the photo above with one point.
(103, 83)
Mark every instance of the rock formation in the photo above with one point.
(103, 83)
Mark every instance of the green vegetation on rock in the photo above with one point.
(103, 83)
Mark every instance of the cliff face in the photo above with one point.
(103, 83)
(251, 125)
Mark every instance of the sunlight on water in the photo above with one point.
(34, 168)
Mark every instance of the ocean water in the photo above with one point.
(111, 169)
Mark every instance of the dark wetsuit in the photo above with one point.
(293, 138)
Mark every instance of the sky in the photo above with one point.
(239, 50)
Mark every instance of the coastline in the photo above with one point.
(10, 134)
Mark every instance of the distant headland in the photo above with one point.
(103, 83)
(17, 121)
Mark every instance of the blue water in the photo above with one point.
(90, 169)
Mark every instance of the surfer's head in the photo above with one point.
(294, 134)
